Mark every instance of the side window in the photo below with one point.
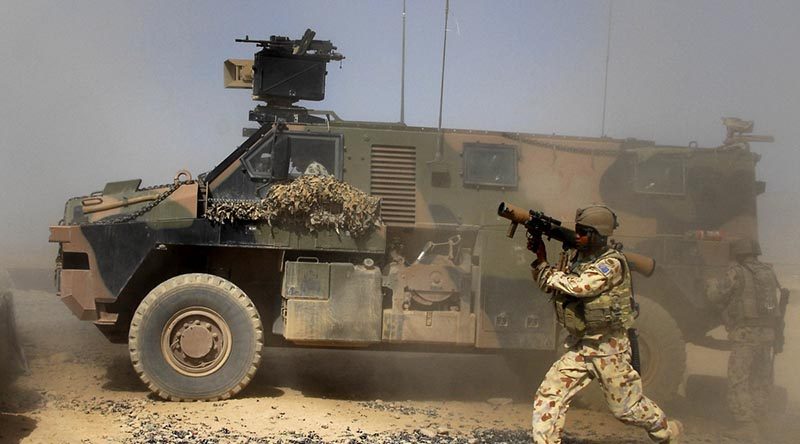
(307, 154)
(315, 154)
(490, 165)
(259, 161)
(660, 174)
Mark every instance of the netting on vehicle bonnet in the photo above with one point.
(314, 202)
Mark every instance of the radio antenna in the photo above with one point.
(608, 56)
(439, 153)
(403, 71)
(444, 58)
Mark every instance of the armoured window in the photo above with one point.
(660, 174)
(259, 161)
(490, 165)
(308, 154)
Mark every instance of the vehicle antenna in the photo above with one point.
(608, 56)
(441, 87)
(403, 71)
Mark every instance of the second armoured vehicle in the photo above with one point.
(324, 232)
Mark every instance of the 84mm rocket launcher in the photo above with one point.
(539, 224)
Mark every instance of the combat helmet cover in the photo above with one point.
(599, 217)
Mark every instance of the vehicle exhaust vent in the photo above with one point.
(393, 178)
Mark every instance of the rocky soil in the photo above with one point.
(82, 389)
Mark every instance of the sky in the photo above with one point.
(97, 91)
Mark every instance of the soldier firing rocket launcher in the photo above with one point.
(539, 224)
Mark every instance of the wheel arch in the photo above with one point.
(254, 270)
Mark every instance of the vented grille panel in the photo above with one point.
(393, 178)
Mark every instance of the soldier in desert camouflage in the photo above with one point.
(593, 303)
(748, 298)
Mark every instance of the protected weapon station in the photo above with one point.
(324, 232)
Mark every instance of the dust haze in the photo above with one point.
(92, 92)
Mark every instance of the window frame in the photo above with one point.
(338, 157)
(668, 156)
(476, 147)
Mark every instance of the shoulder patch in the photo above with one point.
(605, 269)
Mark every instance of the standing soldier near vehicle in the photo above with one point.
(752, 303)
(593, 302)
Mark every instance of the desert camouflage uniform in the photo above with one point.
(750, 370)
(602, 355)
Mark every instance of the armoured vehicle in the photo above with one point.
(285, 242)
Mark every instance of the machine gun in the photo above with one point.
(283, 72)
(280, 45)
(539, 224)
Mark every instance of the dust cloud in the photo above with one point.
(138, 93)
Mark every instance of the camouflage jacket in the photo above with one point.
(747, 297)
(586, 282)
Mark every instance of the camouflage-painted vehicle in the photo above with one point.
(198, 275)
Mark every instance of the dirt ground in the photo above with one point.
(81, 389)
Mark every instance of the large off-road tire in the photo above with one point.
(196, 337)
(663, 357)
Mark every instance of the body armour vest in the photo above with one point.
(756, 304)
(608, 310)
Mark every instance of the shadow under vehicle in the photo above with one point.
(197, 299)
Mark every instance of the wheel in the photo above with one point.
(196, 337)
(662, 351)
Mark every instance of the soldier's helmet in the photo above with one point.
(598, 217)
(745, 247)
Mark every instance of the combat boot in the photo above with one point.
(675, 428)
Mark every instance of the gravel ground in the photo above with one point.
(82, 389)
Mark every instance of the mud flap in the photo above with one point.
(12, 357)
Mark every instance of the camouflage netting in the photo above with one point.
(311, 201)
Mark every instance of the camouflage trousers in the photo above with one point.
(749, 379)
(622, 387)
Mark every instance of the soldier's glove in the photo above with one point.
(536, 245)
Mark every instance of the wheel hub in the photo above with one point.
(196, 341)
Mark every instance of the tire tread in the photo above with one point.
(195, 278)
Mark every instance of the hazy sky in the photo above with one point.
(92, 91)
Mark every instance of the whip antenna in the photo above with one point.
(403, 71)
(441, 86)
(608, 56)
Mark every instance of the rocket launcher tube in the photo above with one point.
(538, 223)
(640, 263)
